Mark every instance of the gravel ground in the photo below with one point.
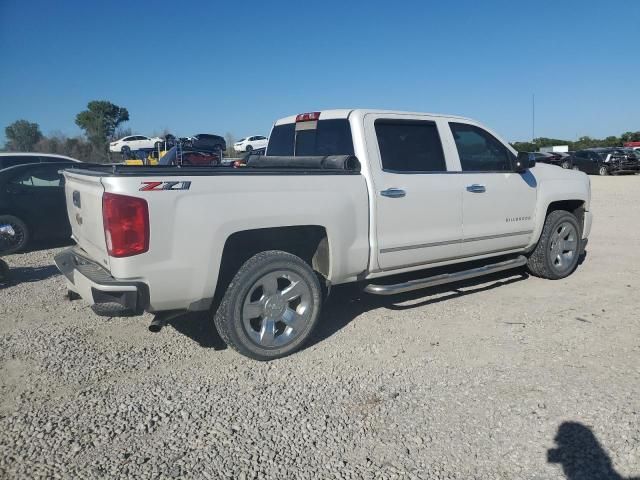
(508, 377)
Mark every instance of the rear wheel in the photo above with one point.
(566, 164)
(271, 306)
(557, 251)
(14, 236)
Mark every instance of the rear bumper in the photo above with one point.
(107, 295)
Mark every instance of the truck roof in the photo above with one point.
(346, 112)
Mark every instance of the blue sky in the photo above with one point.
(203, 66)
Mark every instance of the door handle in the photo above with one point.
(475, 188)
(393, 193)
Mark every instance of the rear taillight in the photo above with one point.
(126, 224)
(308, 117)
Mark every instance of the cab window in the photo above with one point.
(479, 151)
(409, 146)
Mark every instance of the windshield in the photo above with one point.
(329, 137)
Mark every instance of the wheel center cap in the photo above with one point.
(274, 307)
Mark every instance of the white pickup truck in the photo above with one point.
(340, 196)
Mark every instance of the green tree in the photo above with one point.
(630, 137)
(100, 121)
(22, 136)
(229, 140)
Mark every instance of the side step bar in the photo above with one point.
(445, 278)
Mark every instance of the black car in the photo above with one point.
(12, 159)
(545, 157)
(605, 161)
(32, 204)
(206, 141)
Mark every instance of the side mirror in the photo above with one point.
(524, 162)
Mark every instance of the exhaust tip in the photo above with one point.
(155, 326)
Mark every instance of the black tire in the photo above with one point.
(248, 148)
(4, 271)
(603, 171)
(229, 318)
(21, 235)
(566, 164)
(541, 262)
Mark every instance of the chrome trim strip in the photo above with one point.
(502, 251)
(451, 242)
(489, 237)
(421, 245)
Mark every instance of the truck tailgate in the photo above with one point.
(84, 207)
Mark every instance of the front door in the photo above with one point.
(498, 204)
(418, 205)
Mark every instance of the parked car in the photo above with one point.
(546, 157)
(135, 142)
(32, 204)
(250, 143)
(563, 159)
(605, 161)
(262, 245)
(190, 156)
(206, 141)
(20, 158)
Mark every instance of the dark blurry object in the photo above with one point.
(33, 206)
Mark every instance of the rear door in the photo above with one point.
(37, 191)
(498, 204)
(418, 205)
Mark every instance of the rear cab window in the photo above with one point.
(311, 138)
(410, 146)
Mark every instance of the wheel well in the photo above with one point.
(309, 242)
(574, 206)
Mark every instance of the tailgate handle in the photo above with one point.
(76, 198)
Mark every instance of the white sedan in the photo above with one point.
(250, 143)
(134, 142)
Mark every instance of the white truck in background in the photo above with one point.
(340, 196)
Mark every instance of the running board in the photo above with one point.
(445, 278)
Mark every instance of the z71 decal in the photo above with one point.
(154, 186)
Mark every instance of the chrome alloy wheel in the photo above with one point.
(563, 246)
(277, 308)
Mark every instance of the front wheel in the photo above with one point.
(14, 234)
(566, 164)
(603, 171)
(4, 271)
(271, 306)
(556, 254)
(248, 149)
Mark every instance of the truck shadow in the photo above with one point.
(18, 275)
(199, 327)
(349, 301)
(580, 454)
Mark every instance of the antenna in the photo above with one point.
(533, 117)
